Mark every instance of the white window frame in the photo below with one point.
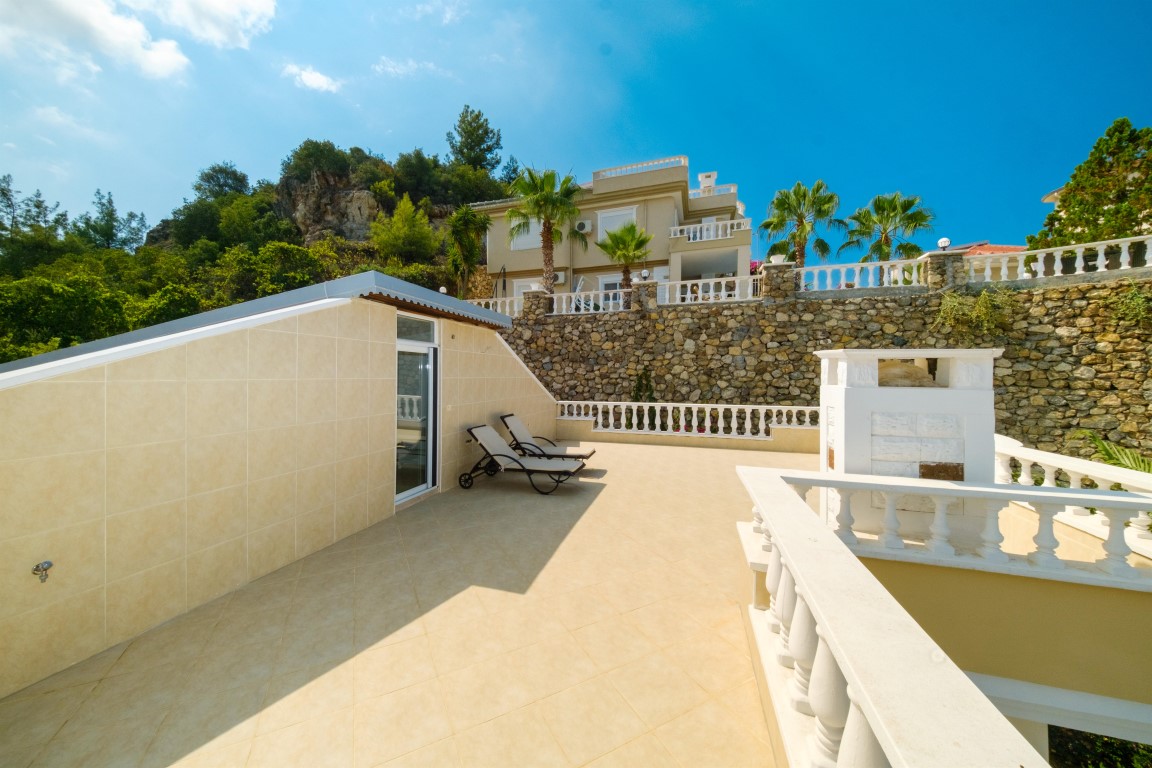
(602, 230)
(528, 241)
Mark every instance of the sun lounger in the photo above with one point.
(524, 442)
(544, 474)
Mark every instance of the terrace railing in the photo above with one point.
(1102, 256)
(854, 680)
(651, 165)
(711, 230)
(905, 528)
(590, 302)
(409, 407)
(711, 289)
(719, 189)
(511, 306)
(1028, 466)
(878, 274)
(747, 422)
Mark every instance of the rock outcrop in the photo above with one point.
(326, 205)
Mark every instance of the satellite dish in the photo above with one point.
(943, 243)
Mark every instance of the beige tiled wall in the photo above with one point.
(159, 482)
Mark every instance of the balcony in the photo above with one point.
(714, 191)
(712, 230)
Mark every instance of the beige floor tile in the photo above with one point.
(19, 757)
(333, 645)
(657, 689)
(228, 667)
(551, 665)
(173, 642)
(400, 722)
(107, 746)
(305, 694)
(525, 624)
(591, 720)
(580, 607)
(664, 622)
(646, 751)
(459, 609)
(380, 626)
(389, 668)
(521, 737)
(321, 742)
(316, 613)
(438, 754)
(467, 643)
(33, 720)
(484, 691)
(743, 702)
(231, 756)
(613, 641)
(91, 670)
(251, 626)
(708, 737)
(206, 724)
(324, 585)
(144, 697)
(710, 661)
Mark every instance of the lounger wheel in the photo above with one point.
(491, 469)
(466, 481)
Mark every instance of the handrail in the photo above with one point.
(1051, 262)
(719, 189)
(854, 680)
(652, 165)
(591, 302)
(713, 420)
(511, 306)
(710, 289)
(872, 274)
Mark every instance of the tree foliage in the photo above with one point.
(315, 157)
(473, 141)
(466, 230)
(626, 246)
(1109, 194)
(887, 225)
(220, 180)
(546, 198)
(793, 216)
(106, 228)
(405, 237)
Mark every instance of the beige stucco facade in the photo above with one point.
(661, 201)
(160, 477)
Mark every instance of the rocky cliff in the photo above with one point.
(326, 204)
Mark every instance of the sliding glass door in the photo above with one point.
(416, 406)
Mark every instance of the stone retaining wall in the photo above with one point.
(1069, 362)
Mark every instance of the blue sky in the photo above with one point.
(978, 107)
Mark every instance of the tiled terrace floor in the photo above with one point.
(494, 627)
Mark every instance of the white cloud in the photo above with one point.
(53, 29)
(222, 23)
(406, 68)
(9, 145)
(306, 77)
(449, 11)
(54, 117)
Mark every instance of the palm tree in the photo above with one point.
(552, 202)
(466, 229)
(889, 222)
(793, 216)
(626, 246)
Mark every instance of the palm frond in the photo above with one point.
(1117, 455)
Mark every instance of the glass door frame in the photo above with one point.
(432, 352)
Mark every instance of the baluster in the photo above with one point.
(1125, 257)
(890, 538)
(1003, 469)
(1049, 476)
(1074, 481)
(987, 270)
(844, 518)
(772, 584)
(828, 696)
(1116, 548)
(785, 609)
(991, 537)
(1079, 261)
(802, 643)
(1141, 524)
(938, 543)
(858, 746)
(1045, 538)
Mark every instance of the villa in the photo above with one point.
(697, 234)
(238, 539)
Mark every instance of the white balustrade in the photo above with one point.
(708, 290)
(874, 274)
(409, 407)
(746, 422)
(719, 189)
(711, 230)
(854, 680)
(651, 165)
(1018, 464)
(1101, 256)
(511, 306)
(590, 302)
(905, 530)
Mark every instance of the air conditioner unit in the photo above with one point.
(561, 277)
(584, 226)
